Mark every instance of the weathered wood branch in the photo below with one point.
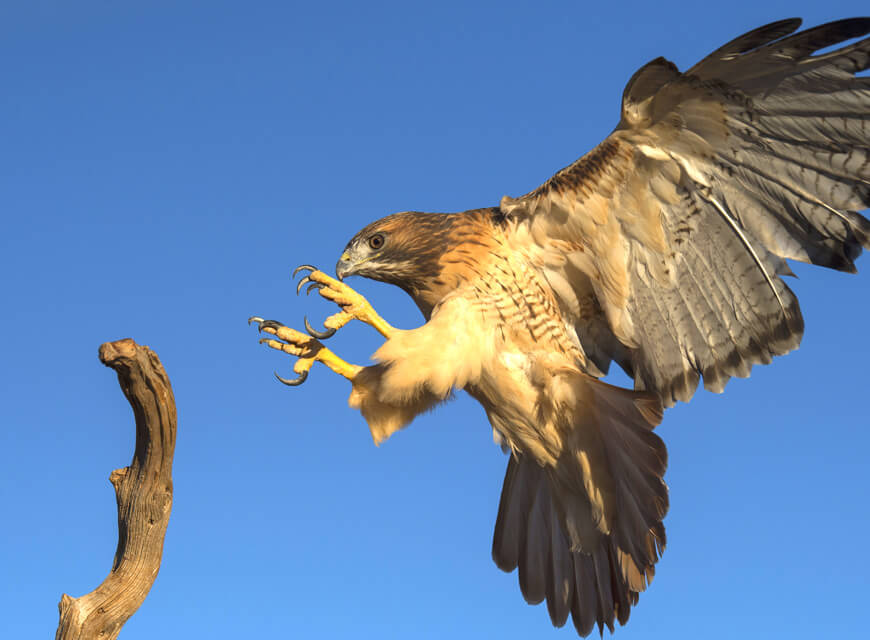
(144, 495)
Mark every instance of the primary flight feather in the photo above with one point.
(663, 250)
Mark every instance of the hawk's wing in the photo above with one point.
(665, 243)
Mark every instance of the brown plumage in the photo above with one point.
(584, 491)
(663, 250)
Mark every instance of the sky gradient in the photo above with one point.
(166, 165)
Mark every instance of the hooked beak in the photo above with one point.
(344, 266)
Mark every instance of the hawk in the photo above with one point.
(663, 250)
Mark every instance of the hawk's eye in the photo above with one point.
(376, 241)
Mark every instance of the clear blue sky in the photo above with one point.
(164, 167)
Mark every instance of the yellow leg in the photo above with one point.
(309, 350)
(352, 304)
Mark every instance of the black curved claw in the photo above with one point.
(295, 382)
(263, 324)
(311, 285)
(301, 267)
(302, 284)
(260, 321)
(314, 333)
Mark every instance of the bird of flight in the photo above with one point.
(663, 250)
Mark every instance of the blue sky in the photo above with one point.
(165, 165)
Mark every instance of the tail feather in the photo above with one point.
(585, 611)
(560, 582)
(587, 532)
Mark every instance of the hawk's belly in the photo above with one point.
(519, 391)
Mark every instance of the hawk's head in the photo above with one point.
(401, 249)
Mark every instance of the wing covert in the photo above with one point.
(673, 233)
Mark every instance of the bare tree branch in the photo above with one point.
(144, 495)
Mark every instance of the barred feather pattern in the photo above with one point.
(683, 217)
(663, 250)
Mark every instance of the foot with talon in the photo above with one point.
(352, 304)
(307, 348)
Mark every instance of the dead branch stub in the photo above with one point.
(144, 495)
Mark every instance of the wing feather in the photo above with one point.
(679, 223)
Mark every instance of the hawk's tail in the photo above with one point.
(586, 533)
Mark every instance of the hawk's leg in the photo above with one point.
(352, 304)
(309, 350)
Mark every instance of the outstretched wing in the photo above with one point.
(666, 243)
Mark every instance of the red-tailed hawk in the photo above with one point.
(663, 250)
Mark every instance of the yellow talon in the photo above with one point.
(341, 367)
(307, 347)
(309, 350)
(353, 305)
